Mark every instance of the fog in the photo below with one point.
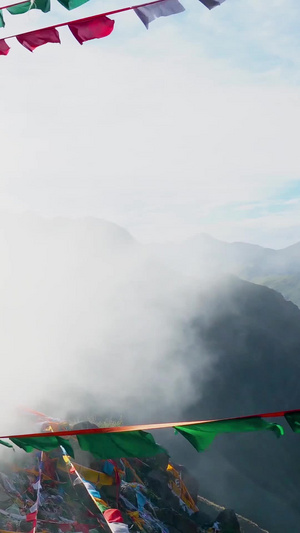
(91, 323)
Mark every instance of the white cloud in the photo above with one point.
(147, 128)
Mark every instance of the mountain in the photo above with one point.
(253, 337)
(203, 255)
(92, 322)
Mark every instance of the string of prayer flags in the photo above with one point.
(202, 435)
(92, 28)
(150, 12)
(33, 39)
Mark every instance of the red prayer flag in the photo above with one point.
(4, 48)
(93, 28)
(31, 517)
(113, 516)
(33, 39)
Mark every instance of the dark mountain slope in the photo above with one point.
(253, 336)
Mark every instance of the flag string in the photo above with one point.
(85, 19)
(143, 427)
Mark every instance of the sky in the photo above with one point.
(188, 127)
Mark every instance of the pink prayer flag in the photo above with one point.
(33, 39)
(93, 28)
(4, 48)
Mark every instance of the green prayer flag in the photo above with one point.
(202, 435)
(43, 5)
(72, 4)
(45, 444)
(117, 445)
(2, 23)
(293, 419)
(6, 444)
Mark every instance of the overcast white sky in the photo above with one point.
(191, 126)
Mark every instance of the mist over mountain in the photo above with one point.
(94, 323)
(204, 255)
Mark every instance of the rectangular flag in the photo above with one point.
(115, 521)
(92, 28)
(160, 9)
(43, 5)
(4, 49)
(202, 435)
(210, 4)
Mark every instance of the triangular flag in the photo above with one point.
(43, 5)
(210, 4)
(4, 49)
(33, 39)
(92, 28)
(160, 9)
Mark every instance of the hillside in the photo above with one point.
(203, 256)
(92, 324)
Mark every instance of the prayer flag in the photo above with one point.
(43, 5)
(4, 49)
(210, 4)
(2, 23)
(117, 445)
(293, 419)
(72, 4)
(92, 28)
(45, 444)
(160, 9)
(33, 39)
(115, 521)
(202, 435)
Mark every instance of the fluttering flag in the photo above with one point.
(33, 39)
(43, 5)
(115, 521)
(160, 9)
(293, 419)
(210, 4)
(2, 441)
(92, 28)
(117, 445)
(45, 444)
(72, 4)
(4, 49)
(2, 23)
(202, 435)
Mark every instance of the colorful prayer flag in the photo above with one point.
(92, 28)
(33, 39)
(4, 49)
(43, 5)
(117, 445)
(210, 4)
(115, 521)
(160, 9)
(202, 435)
